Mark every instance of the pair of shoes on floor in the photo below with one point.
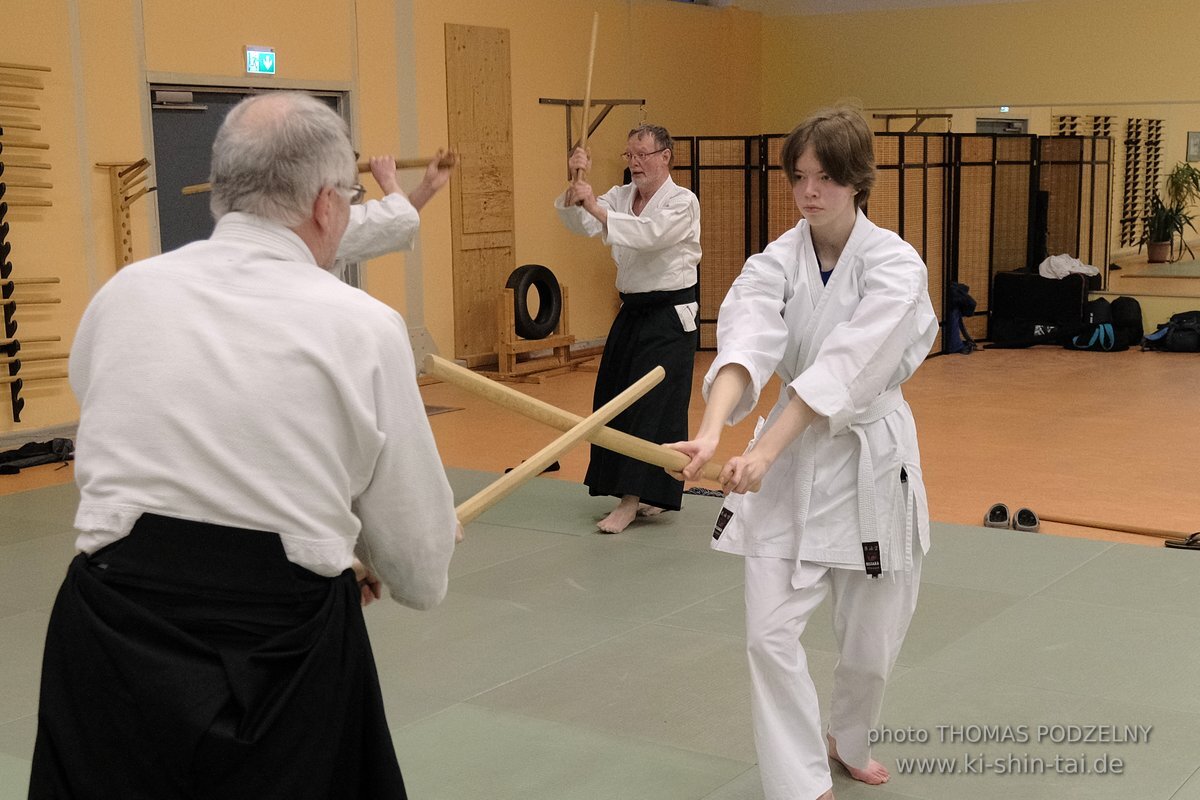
(1024, 520)
(1192, 542)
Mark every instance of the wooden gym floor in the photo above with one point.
(1100, 437)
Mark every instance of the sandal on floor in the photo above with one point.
(1026, 520)
(997, 516)
(1192, 542)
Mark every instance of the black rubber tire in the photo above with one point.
(537, 277)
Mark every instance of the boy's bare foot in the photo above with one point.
(619, 518)
(874, 774)
(644, 510)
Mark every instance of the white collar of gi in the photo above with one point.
(240, 226)
(819, 293)
(662, 193)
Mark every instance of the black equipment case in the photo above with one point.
(1027, 309)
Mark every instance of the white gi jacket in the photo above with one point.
(233, 381)
(844, 349)
(654, 252)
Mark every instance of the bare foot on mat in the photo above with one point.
(620, 517)
(874, 774)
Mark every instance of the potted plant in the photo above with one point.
(1169, 219)
(1161, 225)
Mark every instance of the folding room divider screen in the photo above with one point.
(970, 204)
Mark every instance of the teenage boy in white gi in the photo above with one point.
(828, 498)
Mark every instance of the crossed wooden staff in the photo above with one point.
(577, 429)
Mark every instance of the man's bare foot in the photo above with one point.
(874, 774)
(648, 511)
(619, 518)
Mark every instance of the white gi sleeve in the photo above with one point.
(378, 227)
(676, 220)
(407, 510)
(750, 327)
(576, 220)
(860, 358)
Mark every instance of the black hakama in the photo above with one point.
(646, 333)
(195, 661)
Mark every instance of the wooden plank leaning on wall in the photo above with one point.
(482, 222)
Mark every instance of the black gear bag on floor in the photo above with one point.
(1099, 333)
(33, 453)
(1127, 319)
(1179, 334)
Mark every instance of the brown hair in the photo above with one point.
(843, 143)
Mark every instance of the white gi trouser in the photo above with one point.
(870, 619)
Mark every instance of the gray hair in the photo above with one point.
(274, 153)
(658, 133)
(662, 139)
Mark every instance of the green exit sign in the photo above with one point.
(260, 60)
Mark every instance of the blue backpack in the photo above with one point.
(958, 340)
(1180, 334)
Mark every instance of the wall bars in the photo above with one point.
(21, 166)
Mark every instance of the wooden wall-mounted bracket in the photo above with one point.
(19, 82)
(568, 104)
(918, 119)
(17, 382)
(45, 301)
(22, 164)
(8, 143)
(23, 144)
(22, 281)
(125, 179)
(27, 67)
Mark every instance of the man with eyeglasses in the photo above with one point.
(653, 227)
(253, 462)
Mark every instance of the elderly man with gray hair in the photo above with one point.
(254, 461)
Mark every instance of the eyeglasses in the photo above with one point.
(640, 157)
(357, 192)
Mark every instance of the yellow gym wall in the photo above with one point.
(701, 70)
(1040, 57)
(1037, 52)
(89, 112)
(696, 67)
